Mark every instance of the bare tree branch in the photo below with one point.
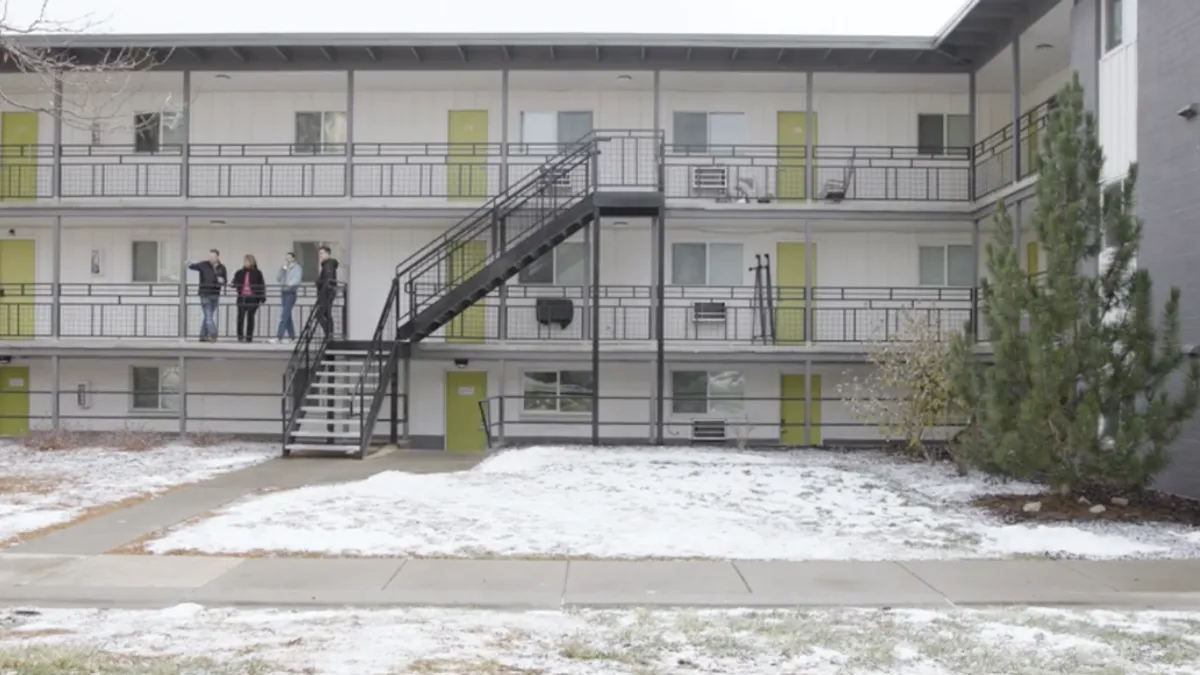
(96, 92)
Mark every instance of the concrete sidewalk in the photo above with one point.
(156, 581)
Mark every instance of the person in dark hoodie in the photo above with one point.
(251, 291)
(326, 289)
(212, 279)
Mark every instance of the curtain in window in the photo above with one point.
(688, 264)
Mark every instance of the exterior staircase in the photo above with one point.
(333, 391)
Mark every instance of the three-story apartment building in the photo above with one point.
(615, 238)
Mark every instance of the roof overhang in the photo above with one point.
(976, 34)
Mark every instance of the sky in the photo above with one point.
(729, 17)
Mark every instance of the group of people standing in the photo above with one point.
(250, 287)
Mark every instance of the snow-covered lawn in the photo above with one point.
(191, 639)
(644, 502)
(48, 488)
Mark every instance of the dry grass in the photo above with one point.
(87, 514)
(131, 438)
(207, 439)
(17, 484)
(456, 666)
(61, 660)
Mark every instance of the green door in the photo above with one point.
(16, 288)
(14, 400)
(466, 158)
(465, 389)
(465, 261)
(791, 263)
(1032, 147)
(791, 410)
(791, 135)
(18, 156)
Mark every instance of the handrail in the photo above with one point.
(369, 410)
(299, 360)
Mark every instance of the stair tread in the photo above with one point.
(319, 447)
(325, 434)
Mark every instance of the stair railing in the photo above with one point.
(307, 353)
(538, 202)
(383, 352)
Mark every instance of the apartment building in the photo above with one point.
(610, 238)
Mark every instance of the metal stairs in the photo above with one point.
(333, 404)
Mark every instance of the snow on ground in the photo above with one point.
(647, 502)
(1009, 641)
(43, 489)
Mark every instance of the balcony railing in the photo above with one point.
(535, 313)
(474, 172)
(143, 311)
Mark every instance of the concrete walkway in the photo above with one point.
(156, 581)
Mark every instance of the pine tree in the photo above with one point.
(1087, 388)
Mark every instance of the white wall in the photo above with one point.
(1117, 123)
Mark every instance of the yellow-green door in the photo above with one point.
(18, 155)
(791, 134)
(466, 160)
(16, 288)
(465, 389)
(791, 410)
(465, 261)
(14, 400)
(791, 265)
(1031, 147)
(1033, 258)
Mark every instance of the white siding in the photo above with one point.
(1118, 98)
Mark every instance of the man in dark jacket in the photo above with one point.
(212, 279)
(326, 289)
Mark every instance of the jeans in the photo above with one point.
(324, 310)
(245, 320)
(208, 305)
(285, 320)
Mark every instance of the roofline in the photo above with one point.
(167, 40)
(955, 19)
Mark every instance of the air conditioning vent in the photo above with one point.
(708, 431)
(708, 312)
(710, 179)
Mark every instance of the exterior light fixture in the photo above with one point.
(1043, 46)
(624, 78)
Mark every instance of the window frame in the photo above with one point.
(554, 267)
(708, 268)
(945, 148)
(723, 406)
(309, 273)
(1114, 31)
(558, 143)
(559, 396)
(705, 148)
(152, 129)
(167, 401)
(945, 266)
(166, 269)
(324, 146)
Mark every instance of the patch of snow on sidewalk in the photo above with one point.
(42, 489)
(652, 502)
(822, 642)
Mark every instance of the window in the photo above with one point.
(563, 266)
(946, 266)
(154, 262)
(306, 255)
(707, 265)
(567, 391)
(320, 132)
(1114, 24)
(562, 128)
(714, 392)
(697, 131)
(153, 131)
(155, 387)
(943, 134)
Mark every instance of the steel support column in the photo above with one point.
(407, 392)
(185, 158)
(348, 187)
(973, 113)
(1016, 138)
(658, 245)
(503, 400)
(808, 402)
(595, 321)
(56, 170)
(183, 277)
(55, 393)
(56, 279)
(183, 395)
(348, 266)
(499, 242)
(394, 403)
(504, 129)
(975, 280)
(808, 144)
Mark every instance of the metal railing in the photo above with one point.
(733, 420)
(306, 358)
(746, 314)
(464, 172)
(208, 408)
(145, 311)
